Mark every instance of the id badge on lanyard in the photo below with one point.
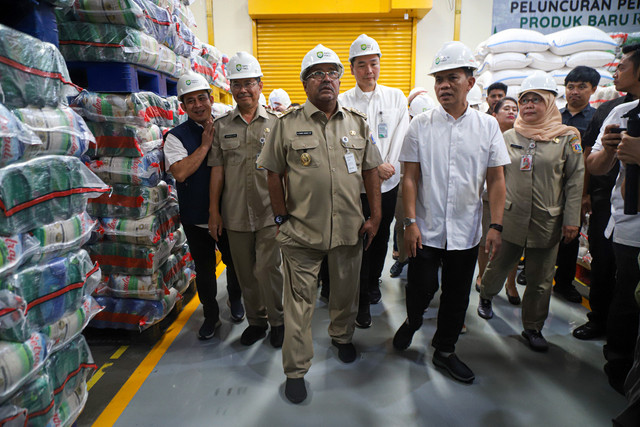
(349, 158)
(526, 161)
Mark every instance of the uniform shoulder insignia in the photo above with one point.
(358, 112)
(290, 110)
(221, 116)
(575, 144)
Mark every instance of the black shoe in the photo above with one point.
(208, 329)
(588, 331)
(484, 308)
(617, 371)
(454, 366)
(252, 334)
(363, 319)
(402, 339)
(396, 268)
(513, 300)
(375, 296)
(277, 336)
(346, 352)
(521, 279)
(568, 292)
(295, 390)
(536, 340)
(237, 310)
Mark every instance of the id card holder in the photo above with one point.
(351, 163)
(258, 167)
(526, 162)
(383, 130)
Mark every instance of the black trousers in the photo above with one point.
(622, 323)
(603, 264)
(457, 275)
(566, 262)
(373, 258)
(203, 251)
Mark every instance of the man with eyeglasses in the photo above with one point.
(388, 118)
(240, 200)
(321, 153)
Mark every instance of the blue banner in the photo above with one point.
(549, 16)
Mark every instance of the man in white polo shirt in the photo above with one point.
(448, 153)
(388, 119)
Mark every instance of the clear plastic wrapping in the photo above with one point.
(19, 361)
(142, 108)
(32, 72)
(15, 251)
(69, 367)
(63, 236)
(180, 239)
(119, 12)
(37, 398)
(183, 280)
(44, 190)
(148, 230)
(146, 170)
(127, 258)
(168, 62)
(201, 66)
(15, 137)
(211, 54)
(61, 130)
(150, 287)
(71, 407)
(133, 314)
(123, 140)
(64, 330)
(129, 201)
(12, 416)
(84, 41)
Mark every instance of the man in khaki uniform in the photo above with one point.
(246, 210)
(324, 153)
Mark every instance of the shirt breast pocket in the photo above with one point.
(231, 151)
(305, 153)
(356, 145)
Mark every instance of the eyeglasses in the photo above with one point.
(533, 100)
(246, 85)
(319, 75)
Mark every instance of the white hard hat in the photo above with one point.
(280, 96)
(421, 103)
(453, 55)
(364, 45)
(539, 80)
(262, 100)
(474, 97)
(320, 55)
(415, 92)
(191, 82)
(243, 65)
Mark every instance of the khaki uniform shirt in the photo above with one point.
(540, 201)
(236, 145)
(322, 197)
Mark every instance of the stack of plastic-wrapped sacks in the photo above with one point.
(145, 261)
(512, 55)
(152, 33)
(46, 277)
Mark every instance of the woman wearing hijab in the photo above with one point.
(544, 191)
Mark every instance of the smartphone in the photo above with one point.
(617, 130)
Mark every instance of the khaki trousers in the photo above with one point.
(300, 266)
(256, 257)
(540, 266)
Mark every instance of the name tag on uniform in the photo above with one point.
(351, 163)
(304, 132)
(383, 130)
(232, 135)
(526, 162)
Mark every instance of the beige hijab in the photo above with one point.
(549, 126)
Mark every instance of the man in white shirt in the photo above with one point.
(388, 119)
(613, 147)
(448, 153)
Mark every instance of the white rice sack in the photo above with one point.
(505, 61)
(606, 78)
(559, 75)
(578, 39)
(590, 58)
(517, 40)
(513, 91)
(508, 77)
(545, 61)
(481, 51)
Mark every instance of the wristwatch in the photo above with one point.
(408, 221)
(497, 227)
(281, 219)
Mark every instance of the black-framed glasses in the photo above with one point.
(533, 100)
(246, 85)
(319, 75)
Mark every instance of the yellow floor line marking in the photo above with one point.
(119, 352)
(97, 375)
(121, 400)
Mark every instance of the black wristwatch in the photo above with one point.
(408, 221)
(281, 219)
(497, 227)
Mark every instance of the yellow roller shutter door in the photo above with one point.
(281, 45)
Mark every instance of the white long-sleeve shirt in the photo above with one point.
(388, 119)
